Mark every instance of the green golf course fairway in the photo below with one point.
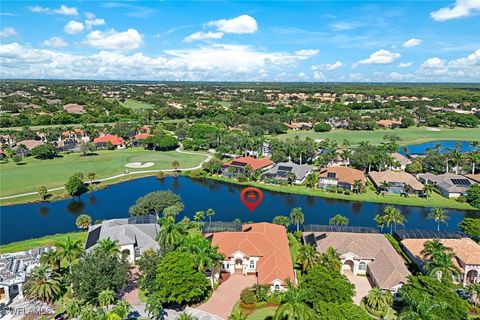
(413, 135)
(53, 173)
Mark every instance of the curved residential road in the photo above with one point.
(179, 150)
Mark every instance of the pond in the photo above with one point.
(445, 145)
(25, 221)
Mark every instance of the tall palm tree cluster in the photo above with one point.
(439, 260)
(391, 218)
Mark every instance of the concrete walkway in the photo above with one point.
(362, 285)
(209, 157)
(227, 294)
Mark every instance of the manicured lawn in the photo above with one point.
(137, 105)
(16, 179)
(435, 200)
(294, 246)
(41, 242)
(262, 314)
(413, 135)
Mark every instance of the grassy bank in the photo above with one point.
(435, 200)
(53, 173)
(413, 135)
(41, 242)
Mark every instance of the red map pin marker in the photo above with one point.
(251, 197)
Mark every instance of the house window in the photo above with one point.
(331, 175)
(362, 266)
(252, 264)
(276, 288)
(226, 265)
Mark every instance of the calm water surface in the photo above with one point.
(24, 221)
(465, 146)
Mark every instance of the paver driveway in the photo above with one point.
(227, 294)
(362, 285)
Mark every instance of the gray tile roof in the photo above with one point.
(448, 181)
(125, 231)
(281, 169)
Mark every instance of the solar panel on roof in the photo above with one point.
(142, 219)
(238, 164)
(461, 182)
(284, 168)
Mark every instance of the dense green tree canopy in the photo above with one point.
(45, 151)
(471, 226)
(321, 284)
(178, 280)
(155, 203)
(431, 299)
(98, 271)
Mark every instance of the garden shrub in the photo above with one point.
(248, 296)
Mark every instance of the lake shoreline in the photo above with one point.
(298, 190)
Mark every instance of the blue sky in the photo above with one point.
(396, 41)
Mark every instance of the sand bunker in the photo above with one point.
(138, 165)
(433, 129)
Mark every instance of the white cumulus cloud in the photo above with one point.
(461, 8)
(92, 21)
(405, 64)
(328, 66)
(412, 43)
(239, 25)
(114, 40)
(203, 36)
(55, 42)
(307, 53)
(8, 32)
(381, 57)
(73, 27)
(318, 76)
(63, 10)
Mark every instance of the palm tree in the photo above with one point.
(83, 221)
(474, 290)
(419, 309)
(199, 215)
(50, 258)
(237, 315)
(384, 186)
(91, 176)
(473, 157)
(205, 256)
(357, 186)
(379, 299)
(429, 188)
(42, 192)
(43, 284)
(293, 306)
(70, 250)
(307, 257)
(186, 316)
(169, 235)
(456, 157)
(330, 259)
(109, 247)
(391, 217)
(122, 309)
(438, 215)
(106, 298)
(311, 180)
(438, 259)
(338, 220)
(210, 213)
(297, 217)
(175, 165)
(291, 177)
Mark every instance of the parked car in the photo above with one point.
(463, 294)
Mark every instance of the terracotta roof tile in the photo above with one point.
(265, 240)
(254, 163)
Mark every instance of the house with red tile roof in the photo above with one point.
(259, 249)
(74, 108)
(238, 165)
(137, 140)
(116, 141)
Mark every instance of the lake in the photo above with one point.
(25, 221)
(465, 146)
